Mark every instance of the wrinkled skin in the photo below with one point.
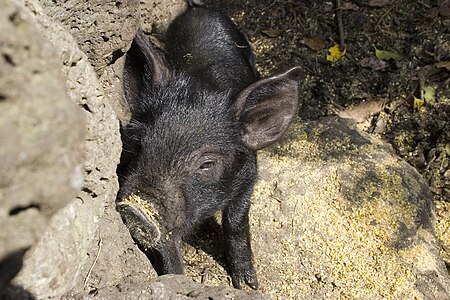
(198, 117)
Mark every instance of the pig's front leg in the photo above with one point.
(238, 248)
(167, 258)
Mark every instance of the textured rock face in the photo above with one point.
(102, 29)
(41, 134)
(348, 220)
(63, 249)
(335, 215)
(176, 287)
(156, 15)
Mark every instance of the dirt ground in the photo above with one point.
(378, 93)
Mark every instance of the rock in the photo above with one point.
(336, 214)
(351, 219)
(62, 258)
(156, 15)
(41, 137)
(111, 80)
(103, 29)
(169, 287)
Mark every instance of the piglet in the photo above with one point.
(199, 114)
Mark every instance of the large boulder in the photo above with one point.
(349, 219)
(104, 31)
(41, 137)
(62, 258)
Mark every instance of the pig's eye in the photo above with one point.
(210, 167)
(207, 165)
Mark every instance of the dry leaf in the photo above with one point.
(349, 6)
(418, 103)
(315, 42)
(272, 33)
(373, 63)
(378, 3)
(362, 111)
(442, 11)
(443, 64)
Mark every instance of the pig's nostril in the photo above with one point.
(19, 209)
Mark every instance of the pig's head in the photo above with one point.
(190, 150)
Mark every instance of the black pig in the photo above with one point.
(198, 116)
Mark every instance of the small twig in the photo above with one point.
(100, 242)
(340, 25)
(421, 85)
(382, 18)
(293, 216)
(204, 275)
(446, 82)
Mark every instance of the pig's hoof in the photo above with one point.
(248, 277)
(140, 218)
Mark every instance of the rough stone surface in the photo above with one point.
(176, 287)
(103, 29)
(53, 266)
(41, 134)
(156, 15)
(111, 80)
(357, 220)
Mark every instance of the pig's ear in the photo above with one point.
(267, 107)
(144, 67)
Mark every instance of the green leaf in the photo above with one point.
(381, 54)
(429, 92)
